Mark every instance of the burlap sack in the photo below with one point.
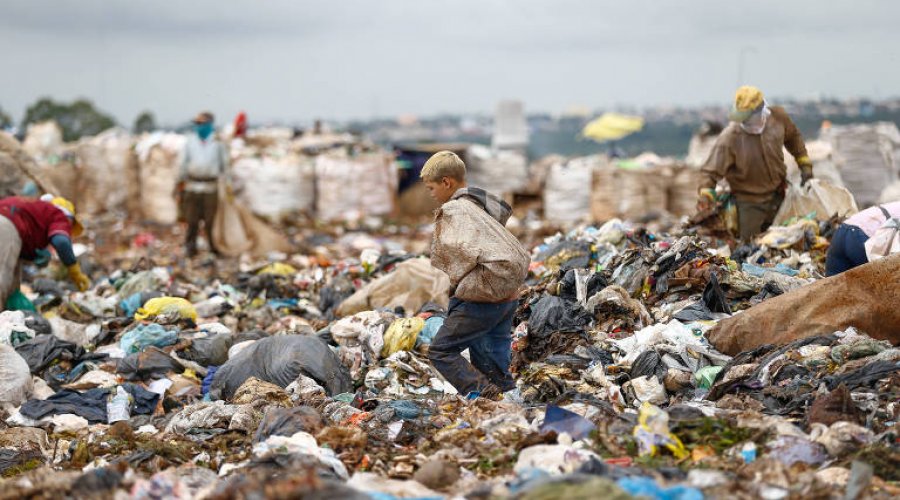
(864, 297)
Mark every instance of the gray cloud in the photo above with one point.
(294, 61)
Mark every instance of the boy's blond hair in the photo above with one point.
(443, 164)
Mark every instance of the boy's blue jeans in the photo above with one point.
(486, 330)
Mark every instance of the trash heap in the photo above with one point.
(308, 375)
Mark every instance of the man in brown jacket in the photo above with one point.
(749, 155)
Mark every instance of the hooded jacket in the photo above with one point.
(484, 261)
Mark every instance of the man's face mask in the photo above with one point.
(204, 130)
(756, 123)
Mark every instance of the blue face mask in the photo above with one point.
(204, 130)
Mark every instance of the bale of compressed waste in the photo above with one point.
(280, 360)
(864, 297)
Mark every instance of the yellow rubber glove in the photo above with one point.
(77, 277)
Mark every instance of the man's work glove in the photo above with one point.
(805, 174)
(77, 277)
(229, 193)
(179, 189)
(706, 199)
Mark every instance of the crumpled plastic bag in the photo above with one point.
(301, 443)
(817, 196)
(202, 416)
(145, 281)
(15, 377)
(652, 431)
(649, 390)
(142, 336)
(361, 338)
(13, 329)
(402, 335)
(787, 236)
(430, 330)
(166, 310)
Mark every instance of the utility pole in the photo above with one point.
(742, 56)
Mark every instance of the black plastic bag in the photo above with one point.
(714, 297)
(553, 314)
(152, 363)
(280, 360)
(41, 351)
(209, 351)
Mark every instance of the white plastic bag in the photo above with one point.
(15, 378)
(885, 241)
(819, 196)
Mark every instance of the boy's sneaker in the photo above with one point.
(491, 392)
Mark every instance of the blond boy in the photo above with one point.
(487, 265)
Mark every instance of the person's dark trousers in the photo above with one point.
(199, 207)
(847, 250)
(486, 330)
(754, 218)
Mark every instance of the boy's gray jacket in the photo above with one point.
(485, 262)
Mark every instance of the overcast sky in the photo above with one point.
(295, 60)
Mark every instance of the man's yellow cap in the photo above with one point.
(747, 99)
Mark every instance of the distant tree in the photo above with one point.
(5, 120)
(78, 119)
(145, 122)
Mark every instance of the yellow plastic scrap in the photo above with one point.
(652, 431)
(401, 335)
(782, 237)
(278, 268)
(166, 306)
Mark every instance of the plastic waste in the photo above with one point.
(15, 378)
(748, 452)
(278, 269)
(555, 459)
(166, 310)
(287, 422)
(13, 329)
(301, 443)
(652, 432)
(401, 335)
(17, 301)
(141, 336)
(430, 330)
(706, 376)
(759, 271)
(646, 487)
(560, 420)
(280, 360)
(792, 449)
(649, 390)
(119, 406)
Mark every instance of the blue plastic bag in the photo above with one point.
(142, 336)
(432, 325)
(559, 420)
(647, 487)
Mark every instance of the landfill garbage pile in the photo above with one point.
(307, 376)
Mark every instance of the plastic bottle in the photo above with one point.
(748, 452)
(119, 406)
